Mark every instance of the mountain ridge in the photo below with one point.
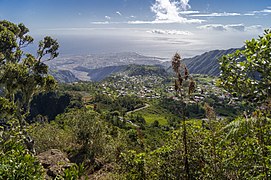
(208, 62)
(96, 67)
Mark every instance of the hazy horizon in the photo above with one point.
(153, 28)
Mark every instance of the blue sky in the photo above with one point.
(150, 27)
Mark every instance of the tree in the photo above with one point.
(247, 73)
(22, 75)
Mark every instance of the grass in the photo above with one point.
(150, 118)
(153, 113)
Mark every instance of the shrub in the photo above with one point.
(16, 162)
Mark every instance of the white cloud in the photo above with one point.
(189, 12)
(119, 13)
(100, 22)
(249, 14)
(107, 17)
(185, 4)
(217, 27)
(231, 27)
(220, 27)
(257, 28)
(236, 27)
(167, 11)
(169, 32)
(266, 11)
(167, 21)
(216, 14)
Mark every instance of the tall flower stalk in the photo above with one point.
(184, 87)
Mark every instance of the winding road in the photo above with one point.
(135, 110)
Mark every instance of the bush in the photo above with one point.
(16, 162)
(50, 136)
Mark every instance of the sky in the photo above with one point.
(149, 27)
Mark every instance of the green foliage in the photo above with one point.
(167, 162)
(74, 172)
(155, 124)
(138, 119)
(51, 136)
(122, 103)
(51, 104)
(21, 74)
(193, 110)
(7, 109)
(133, 165)
(137, 70)
(129, 102)
(155, 136)
(184, 149)
(87, 130)
(154, 112)
(16, 162)
(247, 141)
(94, 138)
(246, 73)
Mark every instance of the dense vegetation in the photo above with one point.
(146, 124)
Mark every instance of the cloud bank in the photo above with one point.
(169, 32)
(224, 14)
(231, 27)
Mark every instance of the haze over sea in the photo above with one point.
(99, 41)
(153, 27)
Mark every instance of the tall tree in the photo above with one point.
(22, 74)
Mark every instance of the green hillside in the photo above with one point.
(134, 122)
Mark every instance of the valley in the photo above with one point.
(127, 116)
(98, 67)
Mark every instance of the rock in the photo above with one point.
(55, 162)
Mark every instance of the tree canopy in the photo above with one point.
(23, 74)
(247, 72)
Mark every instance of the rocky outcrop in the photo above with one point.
(54, 162)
